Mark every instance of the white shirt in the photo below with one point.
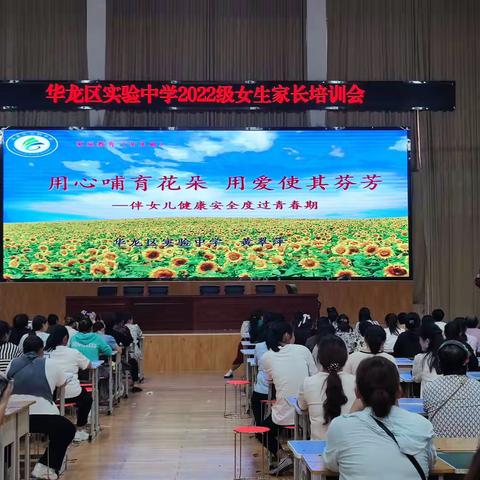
(287, 368)
(261, 385)
(355, 358)
(70, 361)
(441, 326)
(421, 371)
(312, 395)
(43, 335)
(55, 378)
(391, 340)
(245, 328)
(71, 331)
(473, 342)
(360, 450)
(137, 334)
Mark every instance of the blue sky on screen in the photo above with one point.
(213, 155)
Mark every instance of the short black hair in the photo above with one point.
(438, 315)
(32, 344)
(471, 321)
(85, 325)
(412, 322)
(453, 358)
(52, 319)
(38, 322)
(4, 329)
(97, 326)
(20, 321)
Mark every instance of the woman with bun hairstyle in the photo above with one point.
(379, 439)
(330, 392)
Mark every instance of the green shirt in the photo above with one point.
(91, 345)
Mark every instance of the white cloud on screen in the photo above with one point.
(215, 143)
(400, 145)
(336, 152)
(291, 151)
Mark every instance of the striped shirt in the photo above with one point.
(8, 351)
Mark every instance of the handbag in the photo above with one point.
(412, 459)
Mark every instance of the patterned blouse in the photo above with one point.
(452, 404)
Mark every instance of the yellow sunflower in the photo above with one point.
(163, 273)
(309, 263)
(99, 270)
(234, 256)
(396, 271)
(345, 274)
(384, 252)
(179, 261)
(339, 249)
(370, 249)
(207, 267)
(13, 263)
(39, 268)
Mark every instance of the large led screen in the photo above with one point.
(196, 204)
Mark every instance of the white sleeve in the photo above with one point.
(348, 366)
(267, 367)
(82, 361)
(312, 367)
(302, 403)
(245, 328)
(330, 454)
(54, 373)
(417, 368)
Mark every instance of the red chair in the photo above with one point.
(247, 430)
(237, 399)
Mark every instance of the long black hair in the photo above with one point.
(332, 356)
(430, 331)
(375, 337)
(378, 383)
(391, 321)
(275, 333)
(59, 332)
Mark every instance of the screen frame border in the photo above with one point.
(213, 279)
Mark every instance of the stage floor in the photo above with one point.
(173, 430)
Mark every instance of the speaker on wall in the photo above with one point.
(264, 289)
(107, 291)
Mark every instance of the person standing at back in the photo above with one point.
(408, 342)
(286, 365)
(39, 328)
(379, 440)
(452, 401)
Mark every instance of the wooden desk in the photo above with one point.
(195, 312)
(15, 427)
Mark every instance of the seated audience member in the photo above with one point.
(332, 316)
(39, 328)
(19, 328)
(402, 318)
(322, 332)
(425, 365)
(455, 330)
(71, 324)
(71, 361)
(364, 319)
(352, 339)
(438, 316)
(260, 389)
(471, 339)
(408, 343)
(52, 320)
(34, 379)
(99, 328)
(452, 401)
(375, 337)
(254, 320)
(324, 327)
(471, 323)
(286, 365)
(123, 337)
(377, 438)
(330, 392)
(427, 319)
(392, 331)
(303, 326)
(88, 343)
(137, 335)
(8, 350)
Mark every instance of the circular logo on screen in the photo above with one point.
(32, 144)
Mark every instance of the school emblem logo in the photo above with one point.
(32, 144)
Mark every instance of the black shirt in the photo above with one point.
(407, 345)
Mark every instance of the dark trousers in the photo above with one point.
(84, 404)
(60, 432)
(257, 406)
(133, 369)
(271, 437)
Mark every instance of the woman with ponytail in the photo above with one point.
(379, 439)
(331, 391)
(375, 338)
(286, 365)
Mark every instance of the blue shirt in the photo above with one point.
(262, 384)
